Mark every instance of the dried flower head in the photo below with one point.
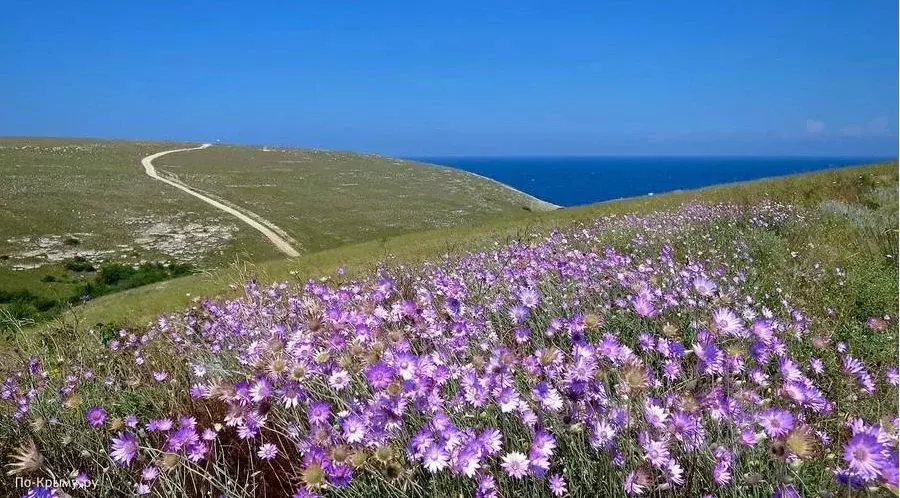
(801, 442)
(340, 453)
(384, 454)
(169, 461)
(26, 459)
(313, 476)
(38, 424)
(633, 378)
(358, 458)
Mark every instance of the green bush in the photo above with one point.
(115, 277)
(79, 264)
(109, 278)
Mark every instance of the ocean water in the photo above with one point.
(570, 181)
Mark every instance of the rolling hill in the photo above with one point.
(68, 204)
(738, 331)
(852, 192)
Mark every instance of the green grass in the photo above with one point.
(325, 199)
(93, 196)
(852, 185)
(847, 220)
(65, 197)
(59, 290)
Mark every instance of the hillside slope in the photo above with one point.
(64, 199)
(853, 186)
(326, 199)
(740, 339)
(95, 191)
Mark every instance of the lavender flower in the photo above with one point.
(267, 451)
(864, 455)
(557, 485)
(95, 416)
(515, 465)
(123, 448)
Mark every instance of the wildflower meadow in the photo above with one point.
(710, 349)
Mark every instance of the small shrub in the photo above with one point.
(79, 264)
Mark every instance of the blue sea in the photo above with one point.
(570, 181)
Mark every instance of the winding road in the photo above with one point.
(261, 227)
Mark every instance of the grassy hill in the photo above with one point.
(740, 339)
(852, 191)
(325, 199)
(90, 199)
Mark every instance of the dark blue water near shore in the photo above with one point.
(570, 181)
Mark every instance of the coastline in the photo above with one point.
(540, 203)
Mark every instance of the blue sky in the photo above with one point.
(461, 78)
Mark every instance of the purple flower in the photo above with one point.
(41, 492)
(776, 421)
(379, 374)
(95, 416)
(468, 460)
(149, 473)
(261, 390)
(123, 448)
(704, 286)
(318, 412)
(354, 429)
(816, 365)
(547, 396)
(728, 323)
(557, 485)
(339, 380)
(636, 482)
(267, 451)
(892, 375)
(487, 487)
(529, 298)
(763, 330)
(521, 335)
(197, 451)
(865, 456)
(491, 441)
(304, 492)
(785, 491)
(515, 464)
(656, 452)
(643, 305)
(711, 358)
(339, 474)
(436, 459)
(748, 436)
(543, 443)
(159, 424)
(181, 438)
(674, 473)
(518, 313)
(891, 468)
(721, 473)
(82, 479)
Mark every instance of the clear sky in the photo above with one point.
(764, 77)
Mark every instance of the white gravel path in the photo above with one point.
(270, 234)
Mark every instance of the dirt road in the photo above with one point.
(260, 226)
